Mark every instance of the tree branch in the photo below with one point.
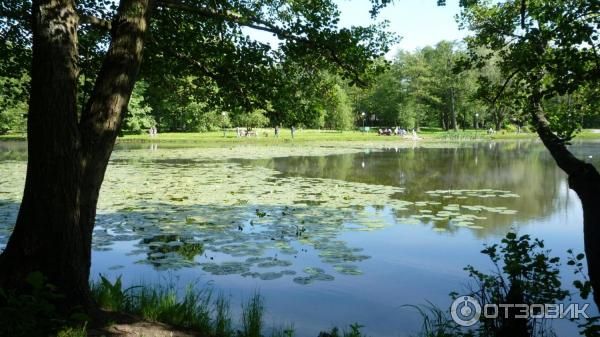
(258, 24)
(95, 21)
(556, 145)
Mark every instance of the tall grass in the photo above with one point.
(252, 317)
(196, 310)
(436, 322)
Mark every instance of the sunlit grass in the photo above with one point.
(196, 310)
(266, 136)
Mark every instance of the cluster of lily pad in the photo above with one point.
(180, 209)
(465, 194)
(444, 214)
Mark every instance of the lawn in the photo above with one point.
(266, 136)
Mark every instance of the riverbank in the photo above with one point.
(266, 136)
(146, 310)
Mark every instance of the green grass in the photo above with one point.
(73, 332)
(266, 137)
(196, 310)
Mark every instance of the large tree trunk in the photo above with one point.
(47, 236)
(67, 160)
(584, 179)
(102, 117)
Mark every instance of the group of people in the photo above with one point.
(244, 133)
(240, 132)
(395, 131)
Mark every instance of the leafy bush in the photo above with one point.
(34, 313)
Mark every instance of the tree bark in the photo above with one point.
(47, 236)
(584, 179)
(67, 160)
(102, 117)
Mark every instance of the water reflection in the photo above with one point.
(523, 168)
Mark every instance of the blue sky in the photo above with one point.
(418, 22)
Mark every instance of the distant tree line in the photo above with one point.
(430, 87)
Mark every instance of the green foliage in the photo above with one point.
(526, 274)
(254, 119)
(12, 120)
(591, 326)
(111, 296)
(335, 332)
(73, 332)
(34, 313)
(13, 104)
(544, 48)
(138, 118)
(423, 88)
(162, 304)
(338, 109)
(196, 66)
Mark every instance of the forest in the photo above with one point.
(432, 87)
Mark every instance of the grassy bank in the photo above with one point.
(266, 136)
(199, 312)
(141, 310)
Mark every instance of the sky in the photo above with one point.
(419, 22)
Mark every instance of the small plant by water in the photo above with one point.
(525, 273)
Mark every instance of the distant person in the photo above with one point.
(293, 131)
(277, 131)
(238, 132)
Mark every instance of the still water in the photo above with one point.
(329, 236)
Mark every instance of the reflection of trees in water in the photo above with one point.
(160, 245)
(13, 150)
(523, 168)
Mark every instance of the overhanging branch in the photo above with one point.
(259, 24)
(95, 21)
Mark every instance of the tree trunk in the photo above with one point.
(454, 124)
(584, 179)
(67, 161)
(499, 117)
(102, 118)
(47, 236)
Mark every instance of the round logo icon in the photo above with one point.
(465, 311)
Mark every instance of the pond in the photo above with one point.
(329, 235)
